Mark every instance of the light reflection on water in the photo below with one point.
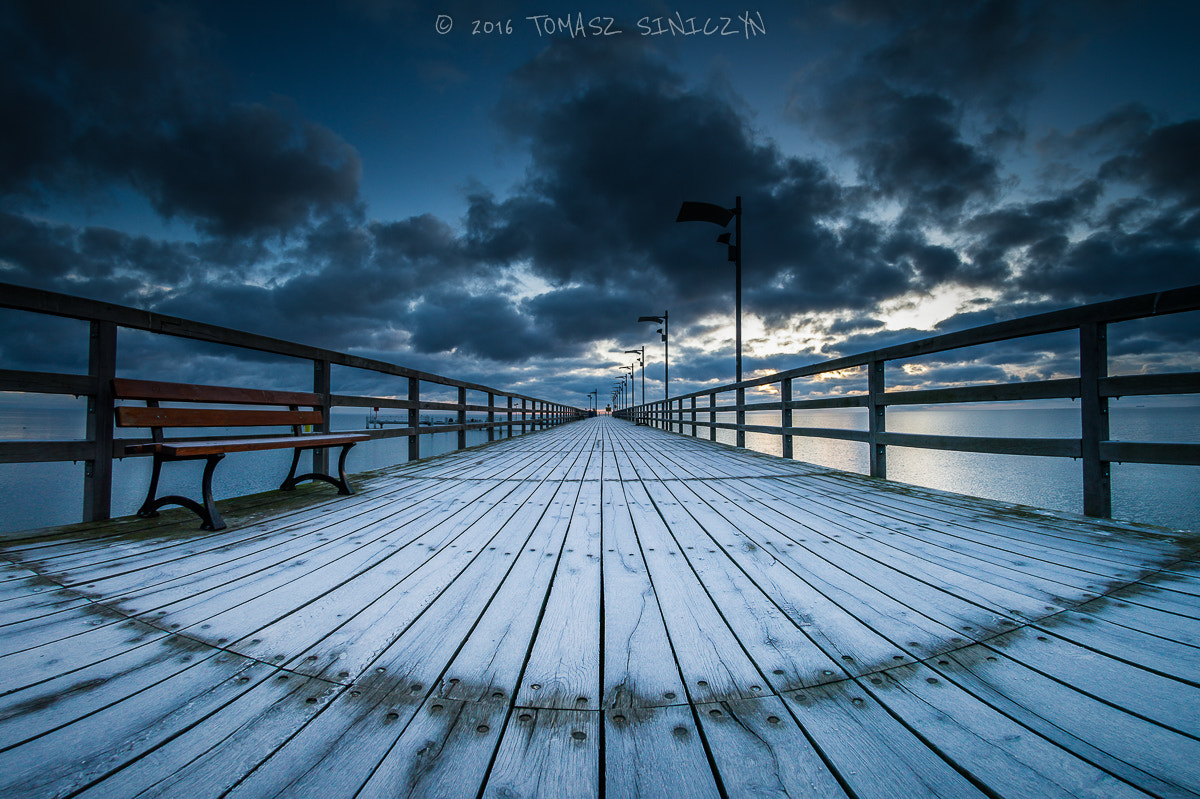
(1151, 493)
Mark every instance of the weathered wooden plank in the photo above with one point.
(993, 749)
(153, 552)
(1153, 758)
(1104, 539)
(490, 665)
(638, 662)
(115, 722)
(946, 542)
(1141, 648)
(882, 612)
(38, 664)
(447, 748)
(388, 601)
(335, 752)
(1163, 700)
(758, 749)
(565, 658)
(1145, 619)
(655, 753)
(711, 660)
(62, 625)
(872, 753)
(419, 655)
(213, 755)
(1184, 605)
(853, 548)
(547, 753)
(779, 647)
(129, 573)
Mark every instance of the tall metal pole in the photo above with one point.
(666, 358)
(643, 374)
(737, 311)
(737, 211)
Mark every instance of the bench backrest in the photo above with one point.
(158, 418)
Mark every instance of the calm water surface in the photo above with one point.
(40, 494)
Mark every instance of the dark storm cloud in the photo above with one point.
(129, 91)
(989, 48)
(1166, 161)
(99, 262)
(1041, 226)
(909, 147)
(488, 326)
(617, 141)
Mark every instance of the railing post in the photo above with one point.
(524, 416)
(510, 424)
(741, 417)
(462, 417)
(491, 416)
(414, 418)
(322, 386)
(97, 473)
(712, 416)
(878, 422)
(1093, 408)
(785, 416)
(693, 417)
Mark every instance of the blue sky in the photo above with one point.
(500, 206)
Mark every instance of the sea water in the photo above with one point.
(1163, 495)
(41, 494)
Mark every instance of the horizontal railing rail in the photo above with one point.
(1093, 388)
(509, 410)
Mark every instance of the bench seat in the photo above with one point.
(184, 449)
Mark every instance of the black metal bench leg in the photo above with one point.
(289, 483)
(210, 519)
(341, 482)
(149, 508)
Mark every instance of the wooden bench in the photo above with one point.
(196, 413)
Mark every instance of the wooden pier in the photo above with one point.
(602, 609)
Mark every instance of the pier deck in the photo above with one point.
(602, 609)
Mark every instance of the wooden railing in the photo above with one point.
(1094, 388)
(514, 412)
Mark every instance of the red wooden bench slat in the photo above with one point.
(131, 416)
(126, 388)
(189, 448)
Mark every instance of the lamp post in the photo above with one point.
(641, 353)
(719, 215)
(665, 332)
